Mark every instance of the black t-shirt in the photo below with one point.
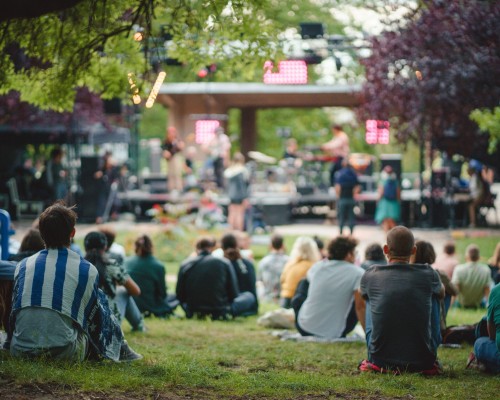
(348, 180)
(400, 297)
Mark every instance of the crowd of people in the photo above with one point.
(64, 303)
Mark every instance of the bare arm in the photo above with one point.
(132, 287)
(360, 307)
(487, 292)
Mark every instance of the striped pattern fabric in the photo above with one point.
(57, 279)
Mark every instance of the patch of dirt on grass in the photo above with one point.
(9, 390)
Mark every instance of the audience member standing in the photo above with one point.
(334, 304)
(388, 211)
(237, 178)
(303, 255)
(473, 279)
(399, 328)
(105, 177)
(149, 274)
(271, 267)
(346, 188)
(172, 152)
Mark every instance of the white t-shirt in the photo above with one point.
(330, 297)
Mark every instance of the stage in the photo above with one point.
(277, 208)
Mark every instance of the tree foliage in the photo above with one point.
(489, 121)
(428, 76)
(91, 44)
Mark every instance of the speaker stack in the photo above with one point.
(87, 198)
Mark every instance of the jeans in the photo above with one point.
(128, 308)
(244, 304)
(435, 325)
(345, 211)
(486, 352)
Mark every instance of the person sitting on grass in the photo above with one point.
(334, 304)
(207, 286)
(31, 244)
(243, 268)
(271, 267)
(374, 254)
(149, 273)
(114, 281)
(399, 329)
(486, 355)
(58, 310)
(303, 255)
(473, 279)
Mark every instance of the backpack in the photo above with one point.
(391, 189)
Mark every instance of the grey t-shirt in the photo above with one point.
(38, 329)
(400, 299)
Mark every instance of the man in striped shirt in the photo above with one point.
(57, 309)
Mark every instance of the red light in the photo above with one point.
(289, 73)
(205, 130)
(377, 131)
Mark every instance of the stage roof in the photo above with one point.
(263, 95)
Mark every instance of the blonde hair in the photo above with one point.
(305, 248)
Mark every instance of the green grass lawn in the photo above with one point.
(239, 359)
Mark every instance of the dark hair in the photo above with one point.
(101, 262)
(449, 248)
(276, 242)
(425, 253)
(319, 242)
(374, 252)
(143, 246)
(205, 243)
(340, 247)
(109, 233)
(229, 243)
(473, 252)
(32, 241)
(95, 241)
(56, 225)
(55, 152)
(400, 241)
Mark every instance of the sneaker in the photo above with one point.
(127, 354)
(140, 327)
(473, 363)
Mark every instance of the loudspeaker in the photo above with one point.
(394, 160)
(112, 106)
(440, 178)
(311, 30)
(86, 200)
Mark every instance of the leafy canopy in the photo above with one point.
(91, 44)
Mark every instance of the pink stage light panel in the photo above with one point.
(377, 131)
(205, 130)
(289, 73)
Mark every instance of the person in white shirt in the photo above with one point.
(333, 305)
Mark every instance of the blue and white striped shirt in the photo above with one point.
(57, 279)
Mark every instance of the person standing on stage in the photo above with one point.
(172, 152)
(105, 176)
(338, 149)
(219, 148)
(237, 177)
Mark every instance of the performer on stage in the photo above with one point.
(338, 148)
(172, 152)
(219, 150)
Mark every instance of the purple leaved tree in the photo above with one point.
(428, 76)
